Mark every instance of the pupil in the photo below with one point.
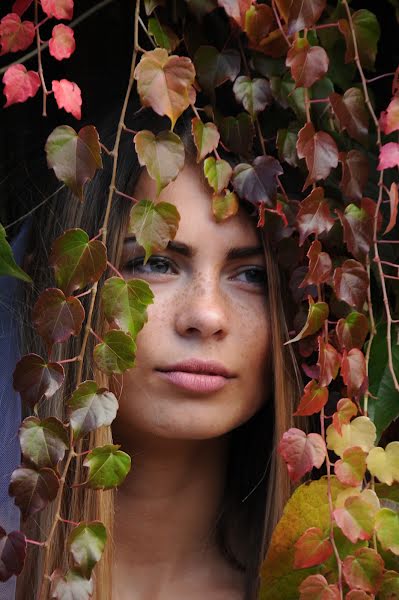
(159, 266)
(255, 276)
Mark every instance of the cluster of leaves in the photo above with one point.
(297, 73)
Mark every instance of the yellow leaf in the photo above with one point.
(359, 432)
(384, 464)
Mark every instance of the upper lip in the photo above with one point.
(194, 365)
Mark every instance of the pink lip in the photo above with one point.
(197, 376)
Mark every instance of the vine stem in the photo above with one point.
(372, 334)
(71, 452)
(39, 59)
(380, 193)
(276, 14)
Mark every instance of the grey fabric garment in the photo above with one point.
(10, 403)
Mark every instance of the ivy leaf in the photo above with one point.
(389, 586)
(300, 14)
(354, 371)
(108, 467)
(164, 36)
(389, 120)
(308, 63)
(317, 314)
(43, 442)
(235, 9)
(352, 114)
(351, 282)
(393, 203)
(359, 432)
(62, 43)
(161, 154)
(367, 32)
(237, 133)
(346, 409)
(286, 143)
(301, 452)
(319, 151)
(213, 68)
(14, 34)
(19, 84)
(259, 22)
(364, 570)
(86, 542)
(60, 9)
(75, 157)
(206, 137)
(352, 330)
(329, 362)
(77, 261)
(254, 94)
(35, 379)
(351, 469)
(257, 183)
(125, 303)
(358, 224)
(71, 586)
(151, 5)
(8, 266)
(389, 156)
(313, 399)
(312, 548)
(90, 407)
(387, 529)
(356, 518)
(317, 587)
(217, 173)
(384, 464)
(320, 266)
(355, 173)
(12, 553)
(116, 353)
(33, 489)
(56, 317)
(313, 215)
(358, 595)
(154, 225)
(224, 206)
(68, 96)
(165, 82)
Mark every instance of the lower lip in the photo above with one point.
(194, 382)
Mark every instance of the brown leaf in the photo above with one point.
(355, 173)
(313, 215)
(300, 14)
(320, 266)
(393, 203)
(12, 553)
(33, 489)
(259, 21)
(354, 371)
(358, 224)
(308, 63)
(352, 114)
(351, 282)
(320, 152)
(257, 183)
(35, 379)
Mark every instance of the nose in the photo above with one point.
(202, 310)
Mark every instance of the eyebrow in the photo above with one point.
(189, 252)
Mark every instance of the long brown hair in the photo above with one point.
(257, 484)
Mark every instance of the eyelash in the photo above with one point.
(135, 264)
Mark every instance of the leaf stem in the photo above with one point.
(39, 60)
(144, 28)
(380, 77)
(68, 360)
(276, 14)
(123, 195)
(115, 270)
(34, 542)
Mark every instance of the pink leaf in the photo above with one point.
(62, 43)
(389, 120)
(389, 156)
(301, 452)
(68, 96)
(14, 34)
(60, 9)
(20, 84)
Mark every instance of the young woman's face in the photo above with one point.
(202, 362)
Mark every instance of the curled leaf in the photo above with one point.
(317, 314)
(346, 409)
(8, 266)
(329, 362)
(33, 489)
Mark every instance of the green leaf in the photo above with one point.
(317, 314)
(387, 529)
(237, 133)
(206, 137)
(214, 68)
(254, 94)
(77, 261)
(75, 157)
(43, 442)
(108, 467)
(8, 266)
(151, 5)
(116, 353)
(218, 173)
(154, 225)
(164, 36)
(367, 32)
(125, 303)
(86, 543)
(224, 205)
(91, 407)
(161, 154)
(72, 586)
(286, 144)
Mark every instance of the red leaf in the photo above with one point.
(389, 156)
(301, 452)
(35, 379)
(352, 331)
(21, 6)
(358, 224)
(389, 120)
(351, 282)
(346, 409)
(313, 215)
(316, 587)
(236, 9)
(352, 114)
(320, 152)
(259, 21)
(308, 63)
(68, 96)
(14, 34)
(313, 399)
(312, 548)
(300, 14)
(62, 42)
(257, 183)
(12, 553)
(354, 371)
(393, 202)
(355, 173)
(320, 265)
(364, 570)
(329, 362)
(19, 84)
(60, 9)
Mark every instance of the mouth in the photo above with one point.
(196, 375)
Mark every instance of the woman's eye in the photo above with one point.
(256, 276)
(154, 265)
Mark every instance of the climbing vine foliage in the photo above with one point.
(319, 163)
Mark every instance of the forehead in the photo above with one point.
(192, 197)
